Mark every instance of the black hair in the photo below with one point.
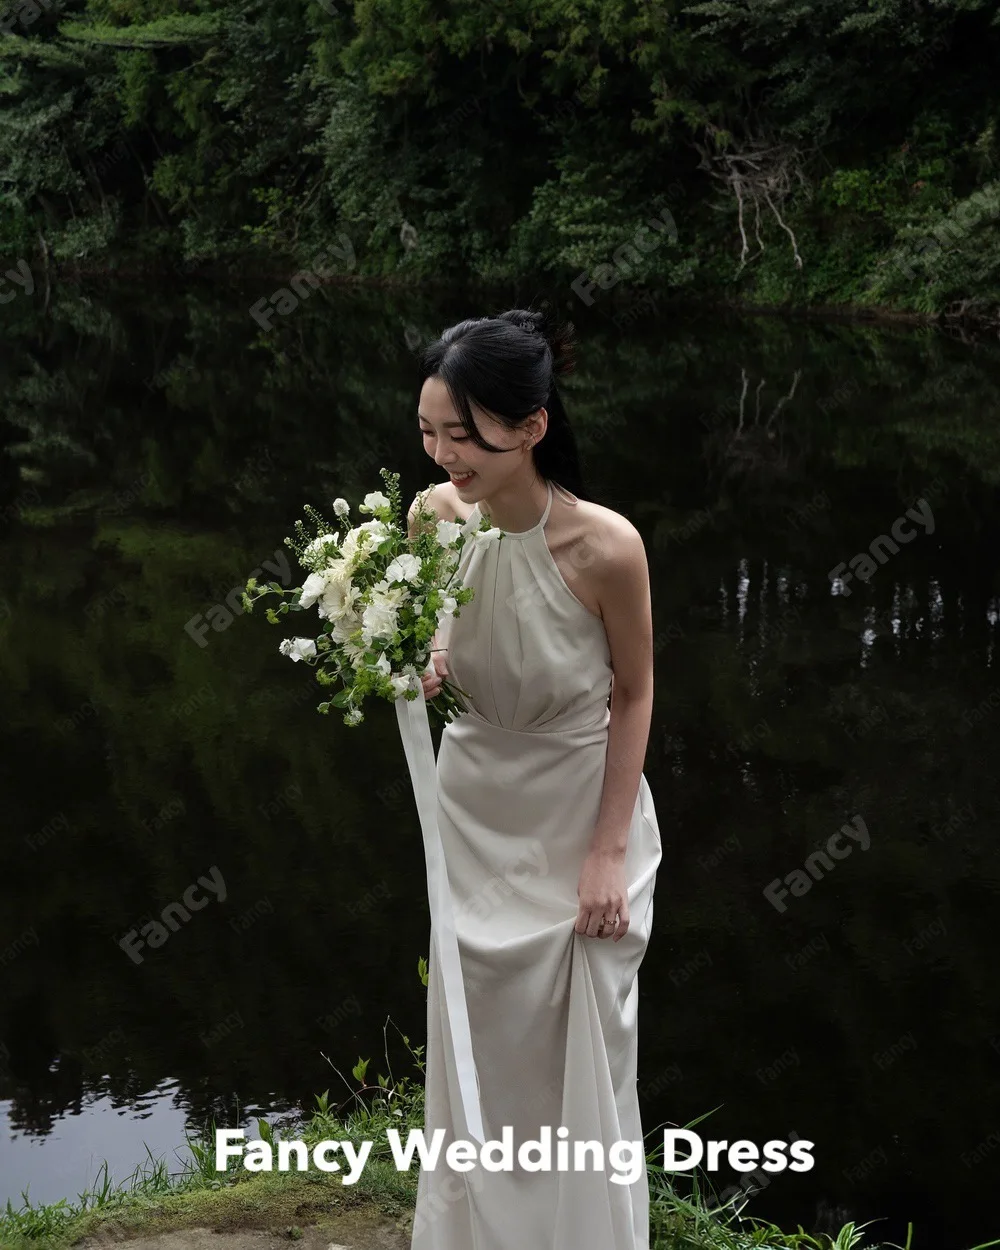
(507, 365)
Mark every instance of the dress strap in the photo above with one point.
(548, 506)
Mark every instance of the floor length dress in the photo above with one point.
(552, 1014)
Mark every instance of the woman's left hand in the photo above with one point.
(603, 895)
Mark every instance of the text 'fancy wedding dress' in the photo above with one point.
(552, 1014)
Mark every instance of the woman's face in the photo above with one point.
(446, 441)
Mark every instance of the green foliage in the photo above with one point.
(496, 142)
(172, 30)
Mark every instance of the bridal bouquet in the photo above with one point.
(381, 595)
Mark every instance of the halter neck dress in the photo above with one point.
(552, 1014)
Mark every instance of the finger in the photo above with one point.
(623, 921)
(595, 923)
(587, 922)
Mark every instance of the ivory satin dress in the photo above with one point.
(552, 1014)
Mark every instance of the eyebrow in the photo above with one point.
(448, 425)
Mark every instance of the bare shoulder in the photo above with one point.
(449, 504)
(611, 538)
(442, 499)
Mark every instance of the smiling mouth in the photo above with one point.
(461, 477)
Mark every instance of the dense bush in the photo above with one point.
(804, 151)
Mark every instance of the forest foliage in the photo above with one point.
(836, 151)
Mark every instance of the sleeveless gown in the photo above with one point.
(553, 1014)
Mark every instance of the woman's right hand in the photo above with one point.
(432, 683)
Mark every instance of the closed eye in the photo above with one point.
(454, 440)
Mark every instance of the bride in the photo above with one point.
(547, 823)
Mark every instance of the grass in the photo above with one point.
(685, 1213)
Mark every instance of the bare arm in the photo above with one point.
(624, 596)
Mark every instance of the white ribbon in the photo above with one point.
(414, 729)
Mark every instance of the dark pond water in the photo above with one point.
(157, 447)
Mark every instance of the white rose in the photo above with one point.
(341, 507)
(404, 568)
(312, 588)
(447, 532)
(407, 680)
(484, 536)
(298, 648)
(373, 501)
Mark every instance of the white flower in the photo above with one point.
(354, 652)
(484, 536)
(298, 648)
(407, 680)
(314, 553)
(379, 618)
(339, 593)
(383, 665)
(312, 588)
(373, 501)
(404, 568)
(448, 606)
(341, 507)
(447, 532)
(353, 717)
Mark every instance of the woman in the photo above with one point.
(547, 823)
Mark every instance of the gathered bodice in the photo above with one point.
(527, 652)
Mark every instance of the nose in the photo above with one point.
(443, 456)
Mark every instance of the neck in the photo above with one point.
(516, 506)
